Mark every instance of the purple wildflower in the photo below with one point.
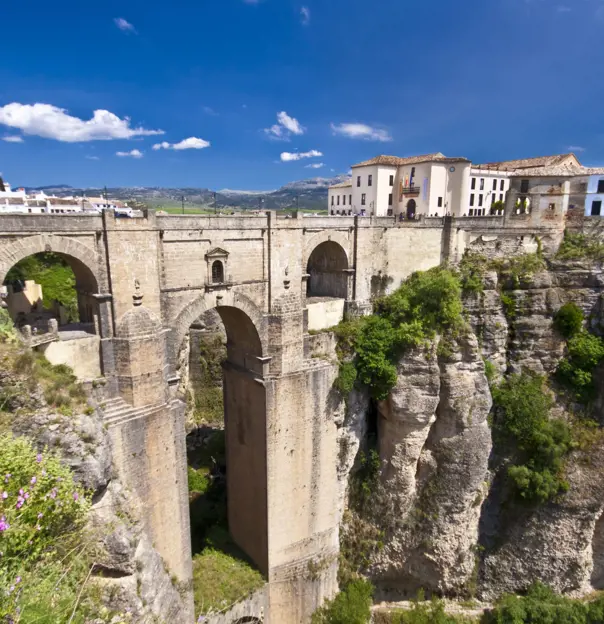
(40, 515)
(53, 493)
(33, 480)
(75, 496)
(4, 525)
(4, 495)
(17, 580)
(39, 457)
(7, 476)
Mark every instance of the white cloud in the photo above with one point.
(284, 127)
(315, 166)
(124, 25)
(208, 110)
(52, 122)
(132, 153)
(361, 131)
(190, 143)
(575, 148)
(13, 139)
(92, 158)
(305, 15)
(289, 156)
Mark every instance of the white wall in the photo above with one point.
(339, 199)
(384, 189)
(369, 191)
(325, 313)
(422, 172)
(488, 194)
(593, 195)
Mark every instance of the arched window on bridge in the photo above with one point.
(217, 272)
(327, 271)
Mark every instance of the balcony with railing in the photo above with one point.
(410, 189)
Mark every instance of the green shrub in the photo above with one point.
(198, 480)
(490, 371)
(346, 378)
(428, 302)
(42, 513)
(472, 269)
(541, 605)
(421, 612)
(568, 320)
(350, 606)
(585, 352)
(7, 329)
(539, 443)
(579, 247)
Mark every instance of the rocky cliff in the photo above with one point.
(448, 523)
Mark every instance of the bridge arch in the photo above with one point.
(327, 270)
(82, 259)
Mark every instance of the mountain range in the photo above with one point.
(310, 194)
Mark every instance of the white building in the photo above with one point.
(594, 198)
(434, 185)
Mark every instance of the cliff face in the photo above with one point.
(449, 525)
(129, 573)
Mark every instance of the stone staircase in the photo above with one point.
(116, 411)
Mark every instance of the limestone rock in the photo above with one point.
(434, 445)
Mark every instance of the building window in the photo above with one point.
(471, 212)
(369, 180)
(494, 185)
(391, 180)
(473, 184)
(440, 202)
(600, 186)
(390, 199)
(472, 199)
(332, 199)
(350, 200)
(217, 272)
(343, 200)
(358, 180)
(480, 199)
(524, 186)
(363, 199)
(552, 206)
(338, 202)
(482, 184)
(596, 208)
(502, 185)
(501, 197)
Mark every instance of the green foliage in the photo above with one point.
(568, 320)
(472, 268)
(580, 247)
(490, 371)
(61, 387)
(209, 402)
(585, 352)
(198, 480)
(346, 378)
(221, 579)
(350, 606)
(540, 443)
(496, 206)
(42, 513)
(55, 276)
(519, 268)
(541, 605)
(428, 302)
(421, 612)
(7, 329)
(508, 301)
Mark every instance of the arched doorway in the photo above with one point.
(51, 297)
(229, 508)
(327, 271)
(411, 208)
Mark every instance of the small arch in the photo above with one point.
(327, 266)
(411, 208)
(217, 272)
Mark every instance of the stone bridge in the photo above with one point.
(143, 282)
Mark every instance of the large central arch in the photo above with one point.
(244, 416)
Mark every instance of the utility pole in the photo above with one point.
(215, 207)
(297, 202)
(183, 204)
(260, 200)
(106, 198)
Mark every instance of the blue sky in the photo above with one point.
(347, 79)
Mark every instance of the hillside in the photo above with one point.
(308, 194)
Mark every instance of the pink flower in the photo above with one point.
(39, 457)
(21, 492)
(17, 580)
(53, 493)
(75, 496)
(33, 480)
(40, 515)
(4, 495)
(7, 477)
(4, 525)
